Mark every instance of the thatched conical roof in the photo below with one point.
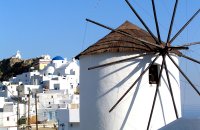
(115, 42)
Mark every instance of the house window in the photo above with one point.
(153, 74)
(72, 72)
(44, 114)
(7, 118)
(50, 115)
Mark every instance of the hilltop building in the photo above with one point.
(17, 55)
(44, 61)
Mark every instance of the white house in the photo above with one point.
(44, 61)
(68, 119)
(8, 113)
(8, 90)
(52, 100)
(25, 78)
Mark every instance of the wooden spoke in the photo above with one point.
(189, 44)
(119, 61)
(184, 26)
(193, 86)
(156, 20)
(178, 48)
(143, 23)
(134, 83)
(172, 22)
(155, 95)
(125, 34)
(189, 58)
(170, 88)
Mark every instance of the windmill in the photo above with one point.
(153, 48)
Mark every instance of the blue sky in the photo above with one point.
(58, 27)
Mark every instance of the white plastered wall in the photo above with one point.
(101, 88)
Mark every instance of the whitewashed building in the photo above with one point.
(57, 86)
(68, 119)
(8, 113)
(50, 101)
(17, 55)
(25, 78)
(44, 61)
(8, 90)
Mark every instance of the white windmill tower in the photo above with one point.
(130, 79)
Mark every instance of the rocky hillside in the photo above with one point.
(13, 66)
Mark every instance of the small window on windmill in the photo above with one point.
(153, 74)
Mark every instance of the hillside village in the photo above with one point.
(47, 95)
